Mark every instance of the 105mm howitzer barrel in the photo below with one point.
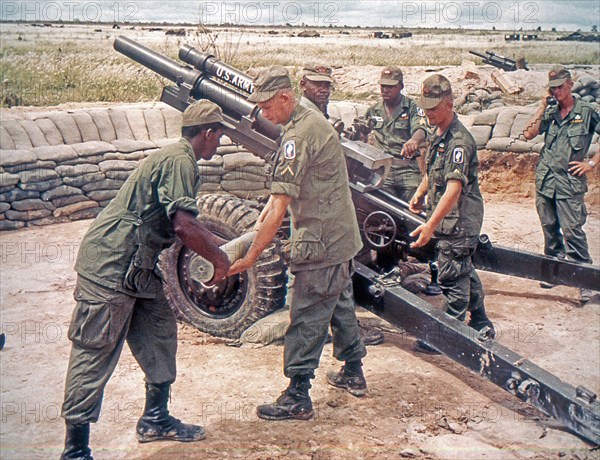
(243, 122)
(210, 65)
(229, 88)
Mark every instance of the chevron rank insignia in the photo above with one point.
(289, 150)
(458, 155)
(287, 170)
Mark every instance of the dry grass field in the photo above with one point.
(76, 63)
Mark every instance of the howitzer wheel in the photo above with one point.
(237, 302)
(379, 230)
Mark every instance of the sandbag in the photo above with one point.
(121, 124)
(481, 134)
(36, 136)
(51, 132)
(155, 123)
(67, 127)
(504, 123)
(106, 130)
(235, 161)
(87, 127)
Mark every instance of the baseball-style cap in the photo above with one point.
(202, 112)
(314, 71)
(557, 76)
(434, 89)
(390, 76)
(268, 82)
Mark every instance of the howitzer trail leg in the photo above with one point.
(577, 408)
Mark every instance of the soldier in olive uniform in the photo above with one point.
(119, 293)
(454, 204)
(310, 178)
(315, 85)
(400, 128)
(560, 178)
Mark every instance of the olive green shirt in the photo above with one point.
(453, 156)
(311, 169)
(565, 141)
(307, 103)
(398, 128)
(121, 248)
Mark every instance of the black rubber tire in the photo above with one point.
(242, 299)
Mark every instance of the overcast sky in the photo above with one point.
(502, 14)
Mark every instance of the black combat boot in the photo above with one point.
(157, 425)
(479, 321)
(77, 440)
(350, 377)
(294, 402)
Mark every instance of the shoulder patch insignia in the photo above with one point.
(289, 150)
(420, 112)
(458, 155)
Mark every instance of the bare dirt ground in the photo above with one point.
(416, 407)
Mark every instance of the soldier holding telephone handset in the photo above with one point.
(568, 125)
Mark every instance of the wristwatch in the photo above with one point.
(592, 163)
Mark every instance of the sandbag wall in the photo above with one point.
(60, 166)
(502, 130)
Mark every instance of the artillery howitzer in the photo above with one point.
(234, 304)
(496, 60)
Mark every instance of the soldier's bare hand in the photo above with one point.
(579, 168)
(239, 266)
(416, 204)
(423, 234)
(409, 149)
(221, 268)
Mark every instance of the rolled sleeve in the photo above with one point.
(456, 174)
(285, 188)
(177, 186)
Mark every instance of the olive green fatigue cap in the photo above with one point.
(317, 72)
(268, 82)
(557, 76)
(391, 76)
(202, 113)
(434, 89)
